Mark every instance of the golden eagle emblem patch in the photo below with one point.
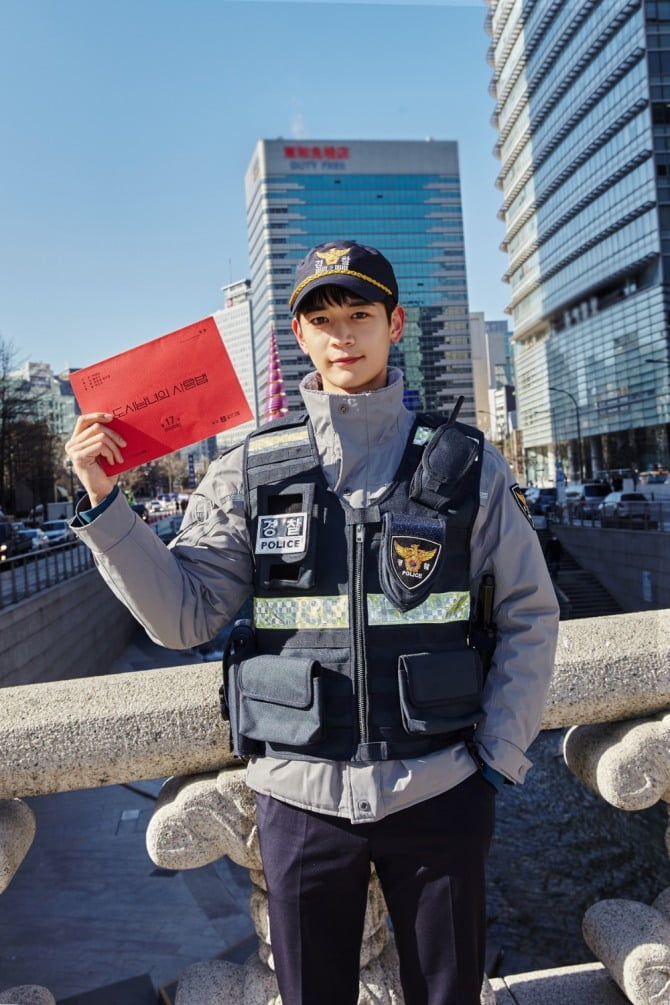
(413, 561)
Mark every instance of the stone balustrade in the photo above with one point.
(611, 686)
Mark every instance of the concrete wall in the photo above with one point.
(75, 629)
(633, 565)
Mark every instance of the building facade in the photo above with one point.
(582, 110)
(495, 404)
(401, 197)
(53, 400)
(492, 370)
(235, 323)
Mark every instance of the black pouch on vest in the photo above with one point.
(280, 700)
(447, 464)
(241, 643)
(440, 692)
(409, 558)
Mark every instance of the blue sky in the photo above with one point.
(126, 129)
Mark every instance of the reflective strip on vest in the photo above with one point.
(280, 438)
(301, 612)
(333, 612)
(438, 608)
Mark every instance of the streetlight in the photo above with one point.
(560, 390)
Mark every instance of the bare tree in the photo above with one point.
(165, 474)
(33, 467)
(174, 466)
(27, 447)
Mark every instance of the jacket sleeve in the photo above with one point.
(182, 594)
(505, 543)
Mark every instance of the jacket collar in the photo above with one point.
(349, 431)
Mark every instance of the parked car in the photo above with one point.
(624, 505)
(168, 500)
(58, 531)
(38, 539)
(584, 499)
(141, 510)
(12, 543)
(541, 502)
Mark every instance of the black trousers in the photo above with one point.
(430, 859)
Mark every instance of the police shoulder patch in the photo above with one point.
(522, 503)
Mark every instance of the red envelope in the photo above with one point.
(166, 394)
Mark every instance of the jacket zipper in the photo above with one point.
(360, 689)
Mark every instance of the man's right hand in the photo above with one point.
(92, 438)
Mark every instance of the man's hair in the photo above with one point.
(332, 295)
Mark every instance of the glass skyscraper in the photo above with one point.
(582, 95)
(401, 197)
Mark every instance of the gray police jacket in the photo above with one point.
(183, 595)
(362, 631)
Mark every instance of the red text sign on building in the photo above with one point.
(299, 152)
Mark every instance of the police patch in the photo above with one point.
(285, 533)
(414, 560)
(522, 503)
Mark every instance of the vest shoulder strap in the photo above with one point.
(281, 449)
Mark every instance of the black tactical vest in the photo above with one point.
(361, 619)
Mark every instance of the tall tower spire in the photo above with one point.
(276, 403)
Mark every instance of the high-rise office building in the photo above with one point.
(499, 342)
(491, 369)
(583, 111)
(495, 405)
(401, 197)
(234, 322)
(481, 374)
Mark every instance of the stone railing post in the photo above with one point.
(628, 764)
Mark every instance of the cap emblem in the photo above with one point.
(332, 257)
(361, 270)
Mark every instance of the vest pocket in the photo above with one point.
(280, 700)
(440, 692)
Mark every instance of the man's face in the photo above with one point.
(349, 344)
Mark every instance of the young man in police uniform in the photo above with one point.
(365, 534)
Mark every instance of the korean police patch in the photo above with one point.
(284, 533)
(414, 560)
(522, 503)
(411, 554)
